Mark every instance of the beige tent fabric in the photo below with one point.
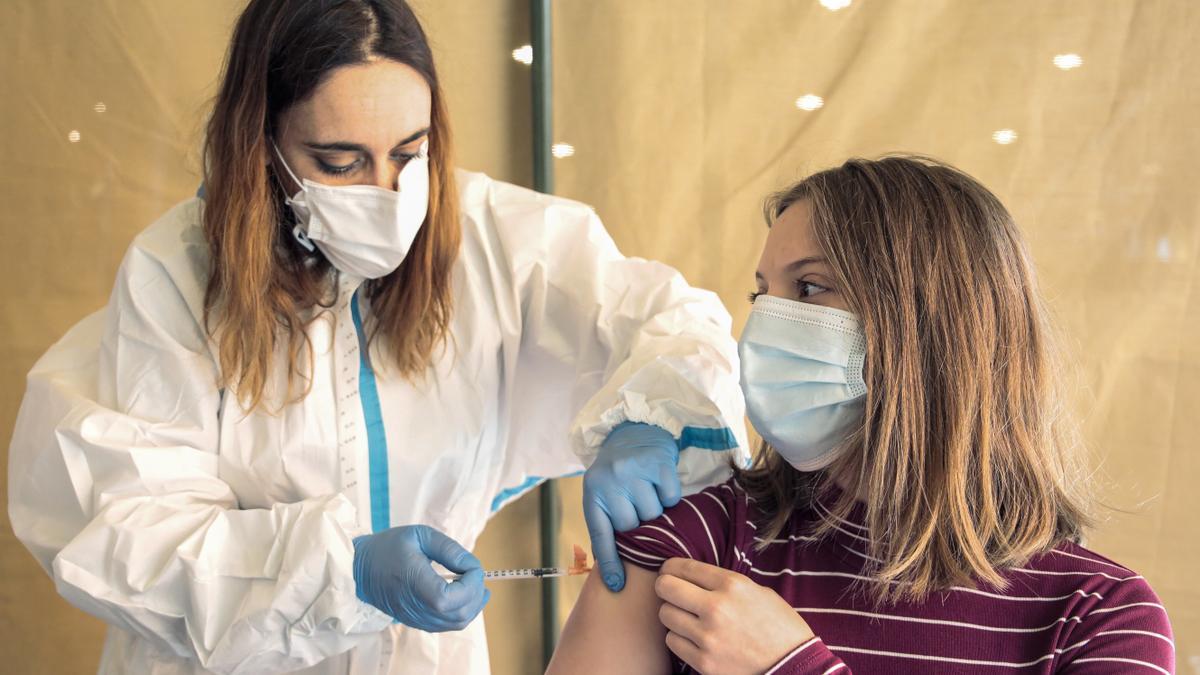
(683, 115)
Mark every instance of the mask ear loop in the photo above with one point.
(302, 238)
(286, 167)
(297, 232)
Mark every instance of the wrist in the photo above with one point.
(650, 430)
(358, 566)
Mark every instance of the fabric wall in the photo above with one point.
(683, 116)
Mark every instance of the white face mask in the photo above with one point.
(802, 378)
(364, 230)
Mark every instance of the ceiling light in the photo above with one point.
(810, 102)
(835, 5)
(1004, 136)
(1068, 61)
(523, 54)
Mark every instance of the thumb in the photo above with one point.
(668, 486)
(466, 590)
(448, 553)
(604, 547)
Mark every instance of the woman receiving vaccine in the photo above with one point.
(919, 503)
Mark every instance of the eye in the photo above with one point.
(403, 158)
(336, 169)
(808, 289)
(421, 150)
(753, 296)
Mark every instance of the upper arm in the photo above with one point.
(1129, 632)
(614, 632)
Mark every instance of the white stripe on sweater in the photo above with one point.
(1097, 562)
(645, 557)
(961, 589)
(718, 501)
(1077, 574)
(1113, 659)
(1106, 610)
(938, 622)
(1164, 638)
(683, 549)
(943, 659)
(716, 559)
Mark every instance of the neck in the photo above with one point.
(842, 478)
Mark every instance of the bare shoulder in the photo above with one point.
(614, 632)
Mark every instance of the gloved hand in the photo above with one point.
(632, 480)
(392, 572)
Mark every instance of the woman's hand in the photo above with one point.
(392, 571)
(722, 622)
(632, 480)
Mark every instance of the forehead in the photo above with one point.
(379, 102)
(791, 237)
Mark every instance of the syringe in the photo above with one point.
(521, 573)
(581, 566)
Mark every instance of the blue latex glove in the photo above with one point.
(632, 480)
(392, 572)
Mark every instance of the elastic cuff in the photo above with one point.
(808, 658)
(587, 438)
(356, 567)
(643, 414)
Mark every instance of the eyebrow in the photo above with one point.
(345, 146)
(797, 264)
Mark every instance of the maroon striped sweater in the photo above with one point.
(1068, 611)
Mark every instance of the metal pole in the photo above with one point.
(543, 102)
(543, 181)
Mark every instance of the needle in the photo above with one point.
(581, 566)
(521, 573)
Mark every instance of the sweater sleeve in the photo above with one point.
(1127, 633)
(698, 527)
(607, 339)
(810, 658)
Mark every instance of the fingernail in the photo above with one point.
(613, 582)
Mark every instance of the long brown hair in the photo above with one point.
(965, 459)
(262, 285)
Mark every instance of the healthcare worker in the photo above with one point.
(332, 369)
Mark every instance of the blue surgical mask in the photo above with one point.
(802, 377)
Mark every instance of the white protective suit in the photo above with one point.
(216, 540)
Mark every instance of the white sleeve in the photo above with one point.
(619, 339)
(115, 488)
